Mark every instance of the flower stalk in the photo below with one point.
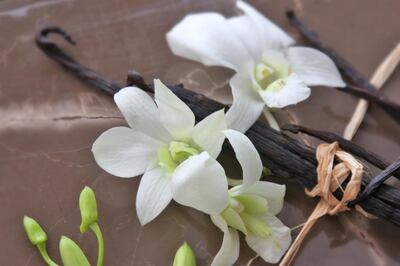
(89, 215)
(271, 119)
(96, 230)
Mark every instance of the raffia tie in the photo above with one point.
(330, 178)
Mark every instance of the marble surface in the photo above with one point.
(49, 120)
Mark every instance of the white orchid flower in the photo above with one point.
(162, 141)
(269, 71)
(251, 209)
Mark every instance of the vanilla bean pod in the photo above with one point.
(285, 156)
(375, 183)
(70, 64)
(363, 88)
(345, 144)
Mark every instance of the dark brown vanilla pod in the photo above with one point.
(363, 88)
(283, 155)
(375, 183)
(345, 144)
(69, 63)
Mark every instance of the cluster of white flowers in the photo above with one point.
(178, 157)
(178, 161)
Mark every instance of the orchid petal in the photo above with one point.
(269, 35)
(247, 156)
(208, 133)
(247, 105)
(272, 192)
(271, 248)
(175, 115)
(229, 251)
(291, 90)
(124, 152)
(141, 113)
(207, 38)
(200, 182)
(314, 67)
(243, 27)
(153, 196)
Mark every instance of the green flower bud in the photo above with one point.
(88, 208)
(184, 256)
(71, 253)
(34, 231)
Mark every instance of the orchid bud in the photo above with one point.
(34, 231)
(88, 208)
(184, 256)
(71, 253)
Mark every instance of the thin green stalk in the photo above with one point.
(271, 119)
(234, 182)
(100, 257)
(45, 255)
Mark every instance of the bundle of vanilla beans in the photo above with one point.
(283, 155)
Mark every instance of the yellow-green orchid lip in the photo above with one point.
(180, 151)
(177, 152)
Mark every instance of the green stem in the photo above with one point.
(45, 255)
(100, 257)
(234, 182)
(271, 119)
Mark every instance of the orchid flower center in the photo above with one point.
(265, 75)
(245, 213)
(269, 75)
(169, 157)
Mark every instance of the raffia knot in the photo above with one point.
(330, 178)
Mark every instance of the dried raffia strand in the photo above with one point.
(380, 76)
(330, 178)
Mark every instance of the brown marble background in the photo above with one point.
(49, 120)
